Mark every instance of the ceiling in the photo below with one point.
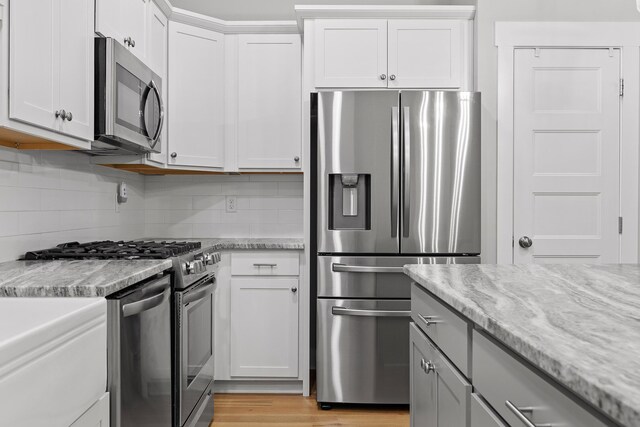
(259, 10)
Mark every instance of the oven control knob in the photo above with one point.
(208, 258)
(189, 267)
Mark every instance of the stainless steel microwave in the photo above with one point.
(129, 111)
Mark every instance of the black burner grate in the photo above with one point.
(108, 249)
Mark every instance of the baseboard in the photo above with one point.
(267, 387)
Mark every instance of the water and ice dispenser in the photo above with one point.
(350, 201)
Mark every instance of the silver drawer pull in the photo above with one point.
(341, 311)
(264, 265)
(429, 367)
(428, 320)
(343, 268)
(519, 413)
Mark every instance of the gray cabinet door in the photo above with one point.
(440, 394)
(482, 415)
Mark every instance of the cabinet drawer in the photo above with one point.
(523, 388)
(439, 392)
(448, 330)
(482, 415)
(265, 264)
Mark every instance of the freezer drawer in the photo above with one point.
(363, 351)
(372, 277)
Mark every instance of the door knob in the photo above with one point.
(174, 155)
(296, 159)
(69, 116)
(429, 367)
(392, 77)
(294, 289)
(61, 114)
(383, 77)
(525, 242)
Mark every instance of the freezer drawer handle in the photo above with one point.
(341, 311)
(343, 268)
(145, 304)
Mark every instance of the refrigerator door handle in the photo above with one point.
(406, 199)
(344, 268)
(395, 169)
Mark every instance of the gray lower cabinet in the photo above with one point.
(440, 394)
(482, 415)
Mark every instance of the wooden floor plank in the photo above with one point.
(251, 410)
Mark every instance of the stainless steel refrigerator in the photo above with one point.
(397, 177)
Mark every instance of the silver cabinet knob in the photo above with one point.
(294, 289)
(174, 155)
(61, 114)
(422, 364)
(130, 42)
(383, 77)
(133, 43)
(392, 77)
(525, 242)
(296, 159)
(69, 116)
(429, 367)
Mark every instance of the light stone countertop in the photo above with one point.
(243, 243)
(578, 323)
(77, 278)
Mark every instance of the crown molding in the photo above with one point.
(385, 12)
(184, 16)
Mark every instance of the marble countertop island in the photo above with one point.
(578, 323)
(81, 278)
(244, 243)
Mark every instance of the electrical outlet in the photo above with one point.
(232, 204)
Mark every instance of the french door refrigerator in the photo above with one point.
(397, 176)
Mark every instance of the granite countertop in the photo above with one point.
(578, 323)
(244, 243)
(83, 278)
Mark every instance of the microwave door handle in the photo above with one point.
(161, 123)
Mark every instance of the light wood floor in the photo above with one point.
(269, 410)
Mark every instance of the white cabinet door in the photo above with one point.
(124, 20)
(566, 155)
(157, 40)
(196, 96)
(76, 67)
(351, 53)
(425, 53)
(96, 416)
(264, 327)
(34, 62)
(269, 101)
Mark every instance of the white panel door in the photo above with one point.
(264, 327)
(425, 53)
(196, 96)
(34, 62)
(108, 23)
(566, 155)
(351, 53)
(76, 67)
(269, 101)
(157, 42)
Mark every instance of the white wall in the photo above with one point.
(280, 9)
(194, 206)
(488, 13)
(47, 198)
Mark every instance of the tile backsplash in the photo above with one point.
(195, 206)
(47, 198)
(51, 197)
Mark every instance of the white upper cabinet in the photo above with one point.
(269, 101)
(196, 96)
(125, 21)
(158, 39)
(351, 53)
(425, 53)
(399, 53)
(51, 65)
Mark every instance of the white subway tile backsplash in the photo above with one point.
(47, 198)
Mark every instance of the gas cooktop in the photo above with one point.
(107, 249)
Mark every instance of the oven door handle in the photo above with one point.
(341, 311)
(201, 293)
(138, 307)
(343, 268)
